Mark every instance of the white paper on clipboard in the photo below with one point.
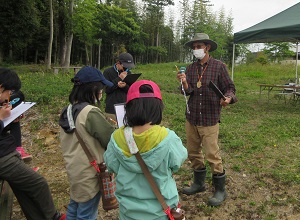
(120, 113)
(17, 111)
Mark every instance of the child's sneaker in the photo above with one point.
(26, 157)
(35, 169)
(59, 216)
(63, 217)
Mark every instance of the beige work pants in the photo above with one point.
(204, 138)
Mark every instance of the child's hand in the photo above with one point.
(5, 111)
(18, 118)
(123, 75)
(121, 84)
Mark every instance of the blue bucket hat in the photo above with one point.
(90, 74)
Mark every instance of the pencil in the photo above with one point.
(113, 120)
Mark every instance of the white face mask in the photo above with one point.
(199, 54)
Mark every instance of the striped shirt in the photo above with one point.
(203, 103)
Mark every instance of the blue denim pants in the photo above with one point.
(84, 210)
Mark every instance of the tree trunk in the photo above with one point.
(91, 52)
(24, 55)
(36, 54)
(55, 49)
(157, 44)
(67, 59)
(68, 50)
(1, 55)
(87, 59)
(61, 33)
(99, 53)
(50, 37)
(10, 53)
(62, 49)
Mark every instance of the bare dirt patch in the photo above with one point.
(249, 196)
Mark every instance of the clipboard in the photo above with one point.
(216, 90)
(120, 113)
(131, 78)
(17, 111)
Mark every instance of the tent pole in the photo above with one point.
(232, 65)
(297, 80)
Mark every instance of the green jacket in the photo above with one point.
(135, 196)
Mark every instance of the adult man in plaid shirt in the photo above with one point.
(203, 115)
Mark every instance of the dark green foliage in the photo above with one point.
(158, 3)
(118, 27)
(121, 25)
(18, 21)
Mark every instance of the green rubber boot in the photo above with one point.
(220, 192)
(199, 183)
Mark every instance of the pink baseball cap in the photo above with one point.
(134, 91)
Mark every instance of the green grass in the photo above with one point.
(254, 133)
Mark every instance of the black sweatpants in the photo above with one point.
(30, 188)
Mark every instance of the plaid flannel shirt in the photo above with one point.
(204, 104)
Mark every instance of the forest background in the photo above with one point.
(94, 32)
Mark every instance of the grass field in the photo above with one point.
(258, 137)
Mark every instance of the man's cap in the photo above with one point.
(202, 38)
(127, 60)
(90, 74)
(134, 91)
